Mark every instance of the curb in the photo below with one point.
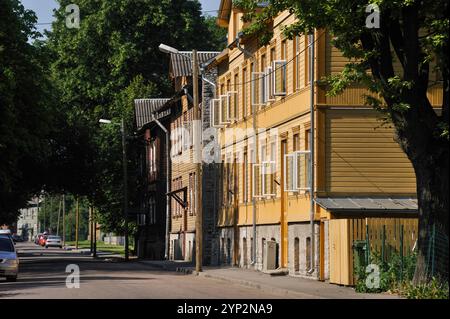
(182, 270)
(261, 287)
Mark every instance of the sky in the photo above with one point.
(44, 10)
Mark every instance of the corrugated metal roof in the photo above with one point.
(144, 108)
(369, 204)
(181, 63)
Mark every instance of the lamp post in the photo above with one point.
(197, 152)
(125, 180)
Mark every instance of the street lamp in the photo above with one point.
(125, 179)
(197, 143)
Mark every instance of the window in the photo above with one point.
(187, 134)
(236, 96)
(256, 181)
(297, 68)
(192, 194)
(297, 171)
(284, 50)
(296, 142)
(257, 86)
(269, 97)
(273, 55)
(284, 57)
(244, 93)
(279, 73)
(215, 112)
(224, 109)
(307, 138)
(245, 177)
(308, 253)
(232, 109)
(308, 49)
(273, 168)
(303, 170)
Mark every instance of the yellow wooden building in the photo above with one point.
(361, 175)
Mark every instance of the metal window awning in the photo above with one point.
(387, 205)
(181, 63)
(144, 108)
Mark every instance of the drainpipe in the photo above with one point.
(254, 111)
(166, 244)
(312, 146)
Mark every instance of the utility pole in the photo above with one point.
(39, 227)
(59, 213)
(64, 219)
(312, 147)
(77, 222)
(125, 186)
(95, 238)
(198, 159)
(91, 231)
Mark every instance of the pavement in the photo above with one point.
(46, 273)
(288, 286)
(49, 274)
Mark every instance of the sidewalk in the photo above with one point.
(295, 287)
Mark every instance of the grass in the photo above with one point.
(101, 246)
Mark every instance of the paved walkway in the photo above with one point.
(294, 287)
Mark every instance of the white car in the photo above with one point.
(9, 262)
(53, 241)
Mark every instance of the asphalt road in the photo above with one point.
(43, 275)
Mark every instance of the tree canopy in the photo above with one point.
(26, 109)
(98, 70)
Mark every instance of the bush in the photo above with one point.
(433, 290)
(392, 276)
(394, 280)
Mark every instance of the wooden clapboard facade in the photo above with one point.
(356, 155)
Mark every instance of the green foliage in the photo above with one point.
(432, 290)
(98, 70)
(393, 280)
(26, 110)
(372, 52)
(51, 207)
(391, 273)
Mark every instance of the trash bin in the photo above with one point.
(359, 256)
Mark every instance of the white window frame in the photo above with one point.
(223, 99)
(188, 141)
(254, 166)
(233, 94)
(307, 171)
(276, 66)
(264, 172)
(257, 79)
(214, 103)
(269, 80)
(294, 173)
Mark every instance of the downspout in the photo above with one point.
(166, 244)
(254, 111)
(312, 147)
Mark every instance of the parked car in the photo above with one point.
(17, 239)
(53, 241)
(6, 232)
(9, 262)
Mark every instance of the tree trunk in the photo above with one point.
(432, 171)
